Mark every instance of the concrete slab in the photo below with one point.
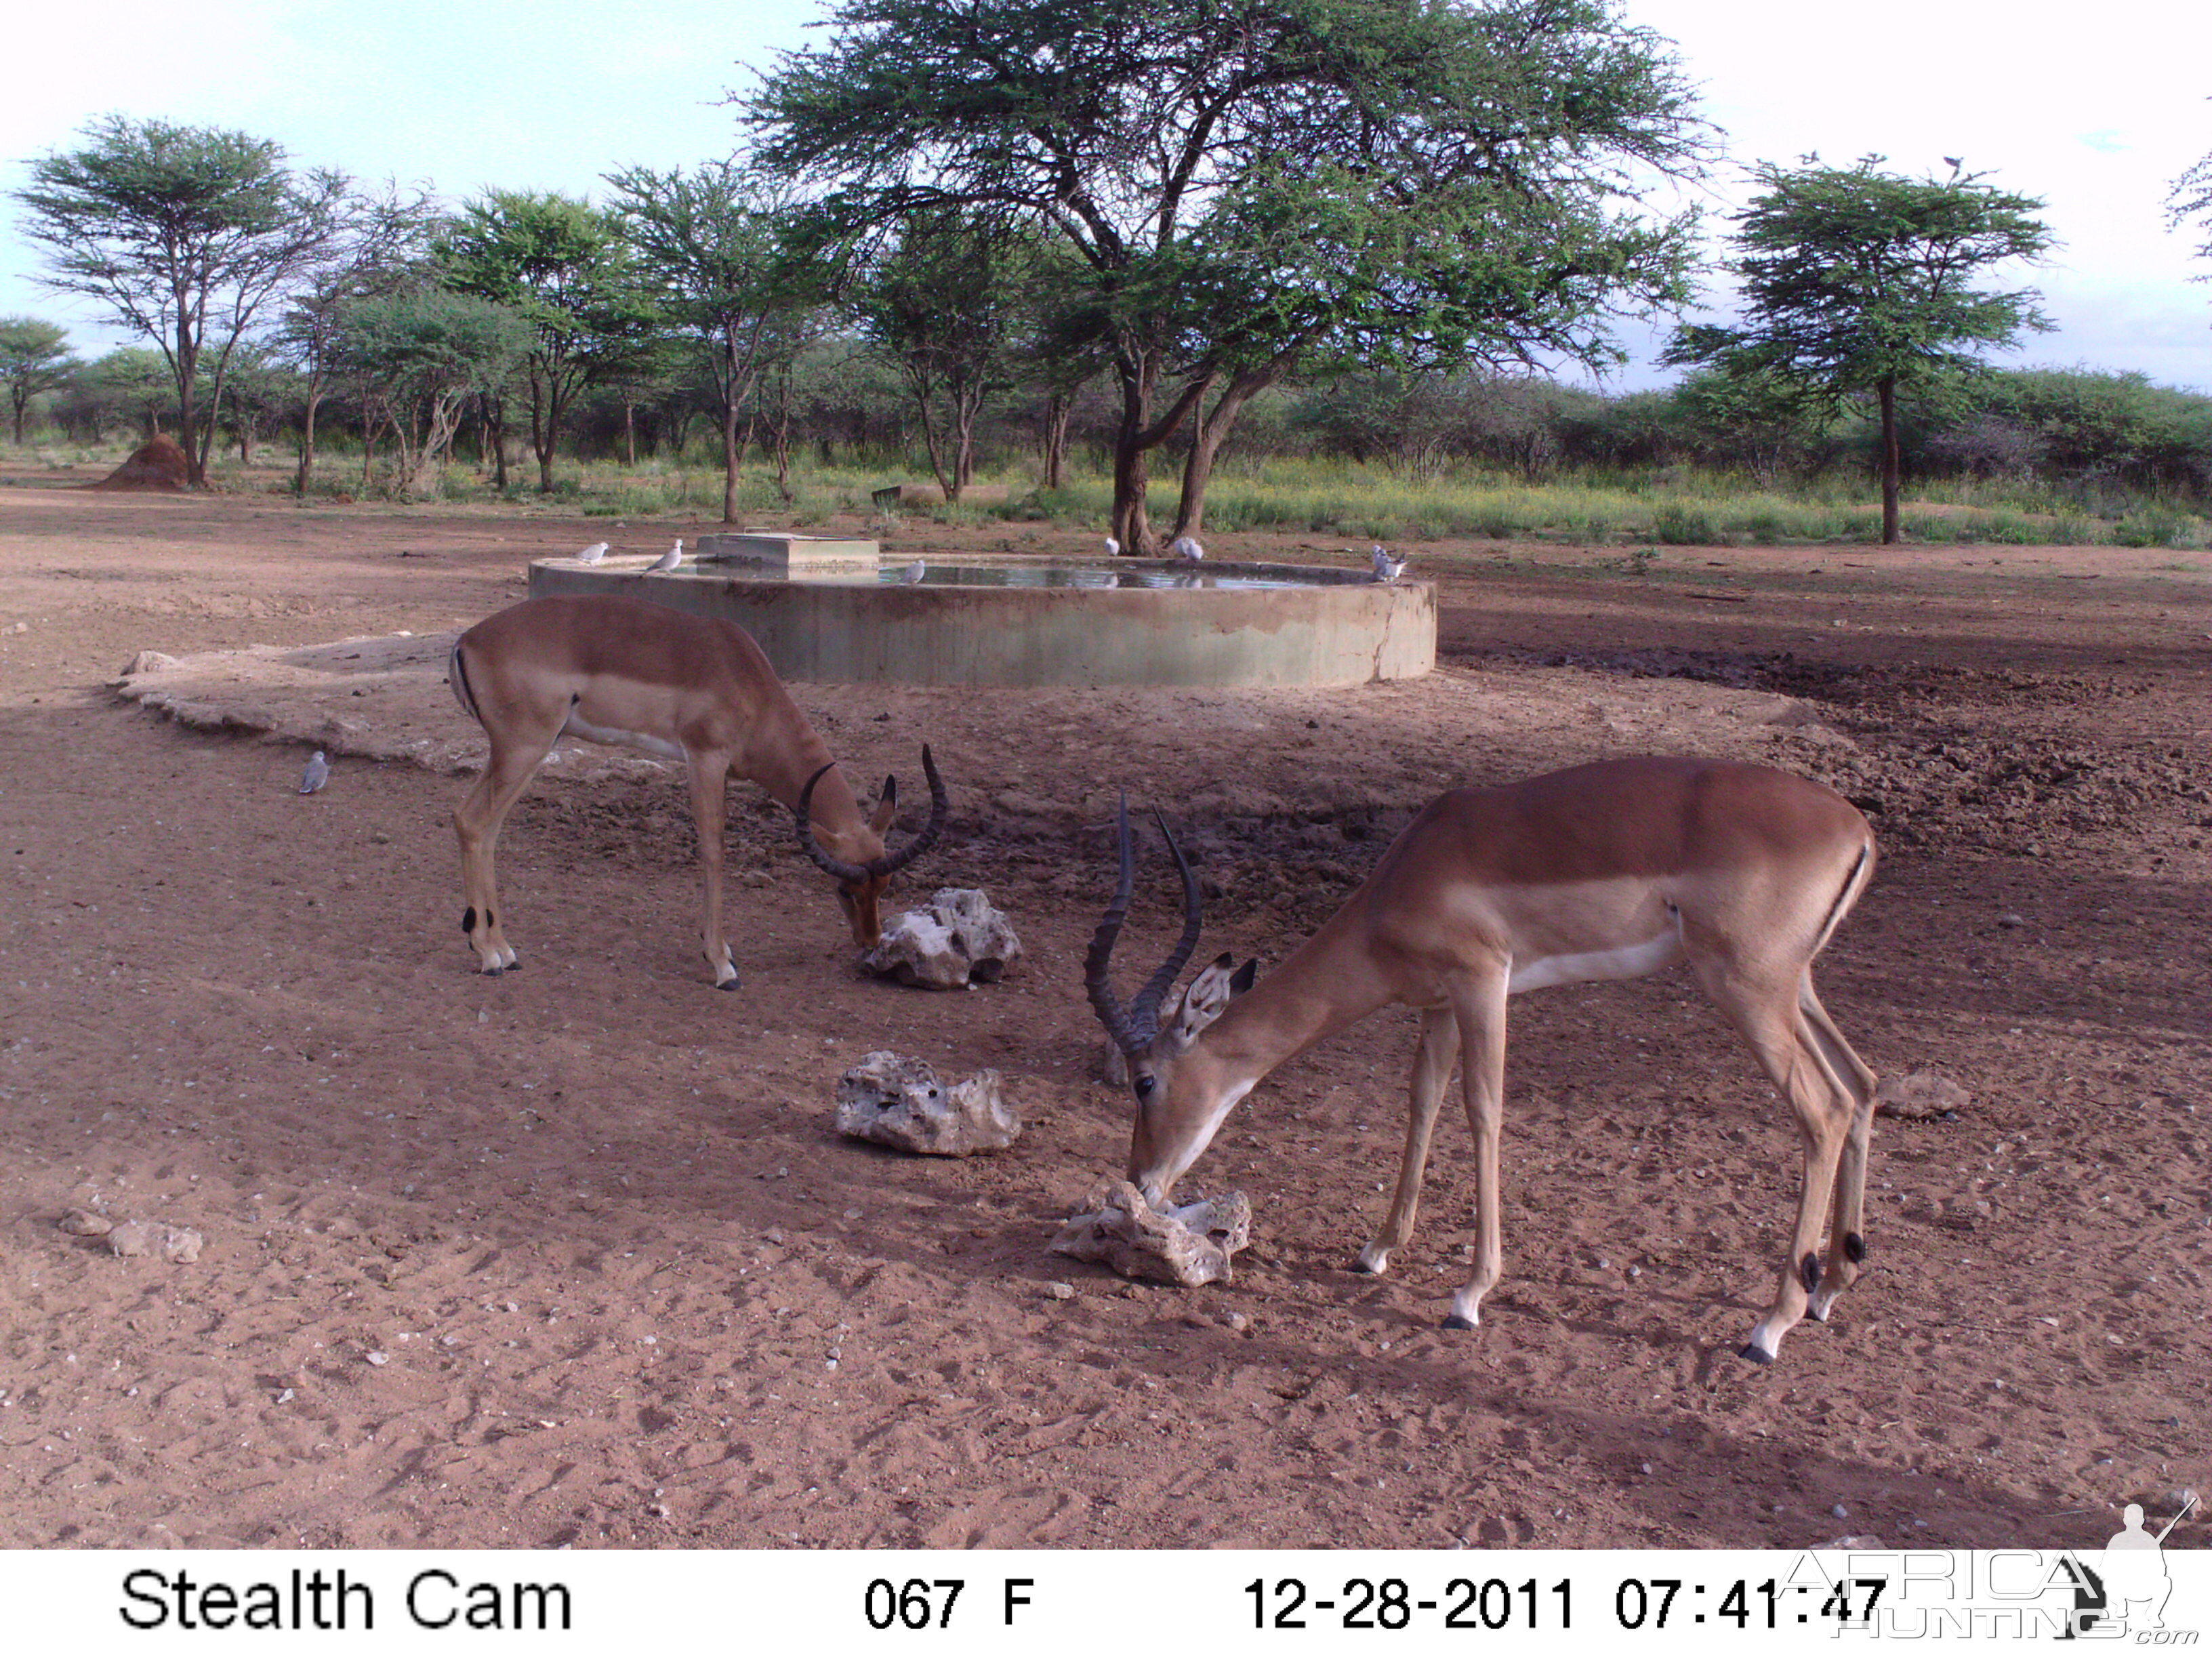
(775, 553)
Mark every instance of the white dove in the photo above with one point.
(316, 775)
(912, 573)
(1387, 569)
(1186, 547)
(1113, 548)
(593, 554)
(670, 559)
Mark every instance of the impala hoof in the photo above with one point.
(727, 984)
(1753, 1352)
(491, 973)
(1458, 1322)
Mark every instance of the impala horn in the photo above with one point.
(1136, 1026)
(888, 863)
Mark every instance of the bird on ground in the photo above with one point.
(1186, 547)
(1387, 569)
(1113, 548)
(316, 775)
(670, 559)
(593, 554)
(913, 573)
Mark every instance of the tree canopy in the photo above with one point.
(565, 266)
(1858, 281)
(721, 266)
(1255, 186)
(34, 357)
(184, 233)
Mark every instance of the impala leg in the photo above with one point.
(710, 779)
(1432, 1064)
(1852, 1079)
(477, 824)
(1479, 1011)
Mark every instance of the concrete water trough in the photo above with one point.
(839, 612)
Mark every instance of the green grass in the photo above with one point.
(1333, 497)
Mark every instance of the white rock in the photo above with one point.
(146, 1237)
(1189, 1244)
(899, 1103)
(84, 1224)
(148, 662)
(1920, 1094)
(961, 939)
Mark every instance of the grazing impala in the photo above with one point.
(1609, 870)
(689, 688)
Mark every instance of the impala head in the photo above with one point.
(1182, 1092)
(862, 881)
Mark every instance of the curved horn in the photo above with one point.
(1147, 1008)
(804, 814)
(890, 863)
(1103, 1002)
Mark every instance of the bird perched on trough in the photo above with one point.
(593, 554)
(1113, 548)
(1387, 569)
(670, 559)
(316, 775)
(913, 573)
(1186, 547)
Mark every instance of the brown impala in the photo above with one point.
(1609, 870)
(689, 688)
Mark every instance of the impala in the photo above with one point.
(696, 688)
(1608, 870)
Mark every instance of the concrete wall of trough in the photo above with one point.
(1342, 634)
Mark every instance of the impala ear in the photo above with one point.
(1241, 981)
(1206, 995)
(886, 806)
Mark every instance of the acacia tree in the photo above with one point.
(1252, 183)
(1857, 282)
(565, 266)
(717, 254)
(947, 304)
(34, 357)
(419, 356)
(185, 235)
(380, 240)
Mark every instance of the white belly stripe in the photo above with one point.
(1625, 962)
(574, 727)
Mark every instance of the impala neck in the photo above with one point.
(1326, 984)
(790, 751)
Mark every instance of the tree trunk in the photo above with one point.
(1138, 370)
(307, 436)
(1212, 431)
(544, 422)
(20, 398)
(630, 434)
(1887, 390)
(1058, 407)
(730, 461)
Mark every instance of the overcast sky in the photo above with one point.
(2096, 117)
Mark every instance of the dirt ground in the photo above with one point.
(575, 1255)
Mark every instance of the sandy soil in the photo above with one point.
(574, 1255)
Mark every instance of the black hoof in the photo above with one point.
(1757, 1355)
(514, 966)
(1360, 1266)
(491, 973)
(1456, 1322)
(728, 984)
